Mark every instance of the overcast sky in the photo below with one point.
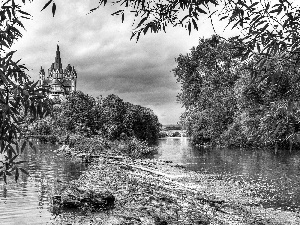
(107, 62)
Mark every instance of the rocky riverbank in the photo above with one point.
(155, 192)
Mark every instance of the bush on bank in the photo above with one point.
(136, 148)
(97, 145)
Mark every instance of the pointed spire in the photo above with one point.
(57, 63)
(42, 71)
(57, 58)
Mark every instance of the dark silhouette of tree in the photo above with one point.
(20, 98)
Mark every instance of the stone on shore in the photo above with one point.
(73, 197)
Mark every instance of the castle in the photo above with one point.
(60, 82)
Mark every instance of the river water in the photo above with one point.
(28, 201)
(274, 178)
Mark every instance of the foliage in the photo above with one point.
(136, 148)
(225, 104)
(110, 117)
(19, 97)
(142, 122)
(207, 76)
(133, 120)
(94, 145)
(268, 109)
(162, 134)
(97, 145)
(114, 111)
(41, 127)
(79, 113)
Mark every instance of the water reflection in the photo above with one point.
(27, 202)
(274, 178)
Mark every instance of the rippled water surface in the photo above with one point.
(274, 178)
(27, 202)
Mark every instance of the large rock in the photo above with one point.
(98, 199)
(73, 197)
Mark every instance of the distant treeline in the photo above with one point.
(172, 127)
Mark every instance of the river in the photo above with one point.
(274, 178)
(28, 201)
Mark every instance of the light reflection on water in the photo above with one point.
(27, 202)
(274, 178)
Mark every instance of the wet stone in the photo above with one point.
(74, 197)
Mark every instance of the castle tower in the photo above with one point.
(60, 82)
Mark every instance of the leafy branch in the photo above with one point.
(19, 97)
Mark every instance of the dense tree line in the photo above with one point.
(227, 104)
(109, 117)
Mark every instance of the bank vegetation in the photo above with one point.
(230, 101)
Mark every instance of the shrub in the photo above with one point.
(92, 145)
(136, 148)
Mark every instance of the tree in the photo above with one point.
(79, 113)
(121, 117)
(113, 116)
(224, 104)
(19, 97)
(109, 117)
(207, 76)
(268, 107)
(142, 122)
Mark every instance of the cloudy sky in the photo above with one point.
(107, 62)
